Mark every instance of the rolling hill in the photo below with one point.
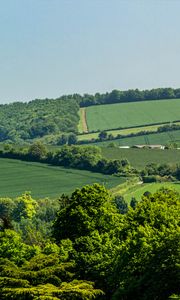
(44, 180)
(124, 115)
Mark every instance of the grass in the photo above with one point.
(115, 132)
(138, 190)
(138, 158)
(46, 181)
(152, 138)
(80, 124)
(111, 116)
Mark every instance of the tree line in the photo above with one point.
(105, 136)
(90, 158)
(132, 95)
(78, 157)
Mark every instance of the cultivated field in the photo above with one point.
(139, 158)
(115, 132)
(112, 116)
(44, 180)
(139, 190)
(162, 138)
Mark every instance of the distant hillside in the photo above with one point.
(163, 138)
(124, 115)
(38, 118)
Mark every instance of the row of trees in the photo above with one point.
(79, 157)
(90, 158)
(164, 172)
(105, 136)
(117, 96)
(91, 250)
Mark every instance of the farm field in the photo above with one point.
(115, 132)
(139, 190)
(139, 158)
(44, 180)
(161, 138)
(112, 116)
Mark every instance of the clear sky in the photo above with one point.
(53, 47)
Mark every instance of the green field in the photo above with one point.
(111, 116)
(115, 132)
(44, 180)
(139, 158)
(139, 190)
(94, 135)
(162, 138)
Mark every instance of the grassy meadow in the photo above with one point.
(94, 135)
(44, 180)
(139, 190)
(126, 131)
(162, 138)
(139, 158)
(111, 116)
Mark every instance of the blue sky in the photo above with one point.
(53, 47)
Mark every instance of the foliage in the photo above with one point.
(147, 266)
(117, 96)
(121, 204)
(25, 207)
(134, 255)
(38, 118)
(6, 209)
(37, 150)
(138, 190)
(90, 221)
(43, 277)
(13, 248)
(88, 209)
(79, 157)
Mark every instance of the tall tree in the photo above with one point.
(147, 266)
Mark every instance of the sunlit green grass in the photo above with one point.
(46, 181)
(162, 138)
(138, 191)
(94, 135)
(111, 116)
(138, 158)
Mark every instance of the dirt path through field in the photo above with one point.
(84, 122)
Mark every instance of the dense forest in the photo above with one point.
(38, 118)
(82, 247)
